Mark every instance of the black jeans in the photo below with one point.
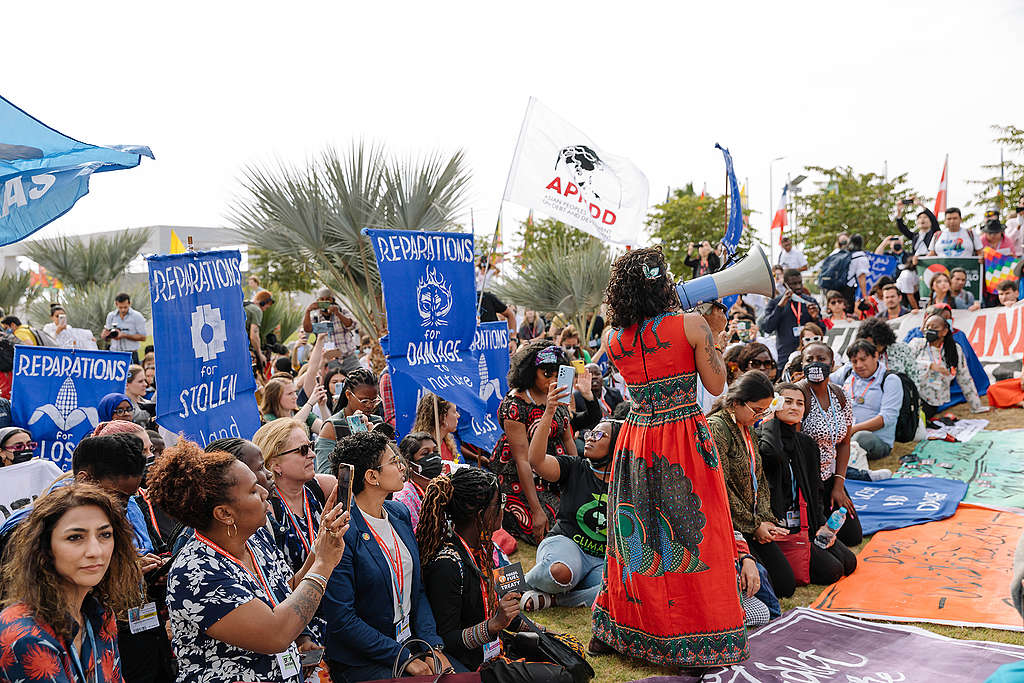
(828, 565)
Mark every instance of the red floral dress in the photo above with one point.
(517, 518)
(31, 651)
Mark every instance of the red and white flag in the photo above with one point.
(561, 172)
(779, 221)
(940, 198)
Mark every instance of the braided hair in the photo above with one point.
(358, 378)
(453, 499)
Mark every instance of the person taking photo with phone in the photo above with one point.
(360, 398)
(338, 324)
(787, 313)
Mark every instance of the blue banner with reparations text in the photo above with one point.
(43, 172)
(203, 366)
(429, 290)
(898, 503)
(55, 393)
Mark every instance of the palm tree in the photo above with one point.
(81, 261)
(13, 287)
(317, 213)
(567, 277)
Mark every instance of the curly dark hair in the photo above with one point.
(630, 296)
(363, 451)
(30, 575)
(878, 331)
(522, 371)
(188, 483)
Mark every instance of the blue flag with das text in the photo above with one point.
(203, 366)
(55, 393)
(43, 172)
(429, 290)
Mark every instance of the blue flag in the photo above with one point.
(43, 172)
(203, 366)
(428, 281)
(55, 393)
(881, 265)
(735, 225)
(482, 429)
(898, 503)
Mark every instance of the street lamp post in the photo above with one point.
(771, 203)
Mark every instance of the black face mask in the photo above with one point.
(931, 336)
(429, 465)
(816, 372)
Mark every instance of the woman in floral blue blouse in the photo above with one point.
(237, 612)
(73, 566)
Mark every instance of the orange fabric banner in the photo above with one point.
(955, 571)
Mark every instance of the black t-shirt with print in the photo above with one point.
(490, 307)
(583, 509)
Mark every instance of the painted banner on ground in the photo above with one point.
(559, 171)
(429, 291)
(955, 571)
(930, 266)
(203, 366)
(43, 172)
(55, 393)
(991, 463)
(811, 647)
(491, 342)
(882, 265)
(998, 269)
(22, 483)
(899, 503)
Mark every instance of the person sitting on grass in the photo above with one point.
(941, 362)
(876, 399)
(570, 559)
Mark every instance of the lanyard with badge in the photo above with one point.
(398, 581)
(287, 661)
(145, 617)
(493, 648)
(797, 311)
(860, 399)
(76, 659)
(306, 544)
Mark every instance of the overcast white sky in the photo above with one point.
(214, 86)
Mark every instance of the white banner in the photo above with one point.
(995, 334)
(559, 171)
(22, 483)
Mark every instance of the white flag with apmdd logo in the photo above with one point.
(561, 172)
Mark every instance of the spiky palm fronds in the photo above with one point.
(13, 287)
(81, 261)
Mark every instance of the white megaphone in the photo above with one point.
(750, 275)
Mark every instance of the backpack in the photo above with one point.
(835, 271)
(6, 354)
(909, 415)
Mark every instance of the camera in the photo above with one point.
(115, 332)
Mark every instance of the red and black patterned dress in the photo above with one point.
(669, 594)
(517, 518)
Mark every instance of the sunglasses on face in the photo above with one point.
(812, 339)
(123, 411)
(303, 450)
(19, 447)
(593, 435)
(758, 364)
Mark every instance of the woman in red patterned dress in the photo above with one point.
(531, 502)
(670, 592)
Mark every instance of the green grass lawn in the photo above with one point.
(576, 620)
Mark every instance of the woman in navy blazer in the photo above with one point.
(375, 597)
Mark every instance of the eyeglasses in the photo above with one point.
(124, 411)
(814, 339)
(758, 364)
(366, 401)
(593, 435)
(395, 460)
(19, 447)
(302, 450)
(757, 414)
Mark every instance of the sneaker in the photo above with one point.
(599, 647)
(880, 474)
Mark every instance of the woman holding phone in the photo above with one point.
(360, 397)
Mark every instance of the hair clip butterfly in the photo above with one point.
(651, 272)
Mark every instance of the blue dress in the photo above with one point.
(203, 586)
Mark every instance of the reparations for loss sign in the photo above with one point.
(558, 170)
(482, 429)
(430, 296)
(203, 366)
(55, 393)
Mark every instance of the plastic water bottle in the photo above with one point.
(825, 534)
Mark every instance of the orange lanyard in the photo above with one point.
(483, 583)
(295, 522)
(860, 399)
(256, 565)
(398, 576)
(797, 310)
(152, 514)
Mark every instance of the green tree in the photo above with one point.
(281, 273)
(566, 277)
(687, 218)
(13, 288)
(316, 214)
(539, 236)
(1011, 139)
(82, 261)
(845, 201)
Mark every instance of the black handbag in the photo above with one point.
(536, 645)
(504, 671)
